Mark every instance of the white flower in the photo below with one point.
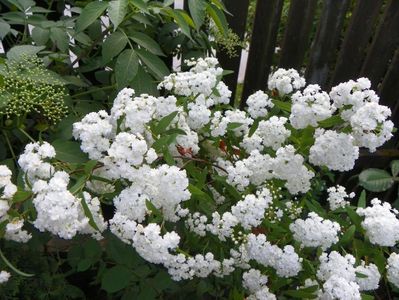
(380, 223)
(14, 232)
(310, 107)
(273, 132)
(253, 280)
(336, 197)
(393, 269)
(258, 103)
(372, 277)
(286, 81)
(336, 264)
(338, 288)
(370, 127)
(315, 231)
(333, 150)
(4, 276)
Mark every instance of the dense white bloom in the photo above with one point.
(197, 223)
(262, 294)
(309, 107)
(198, 114)
(95, 132)
(289, 166)
(258, 103)
(273, 132)
(285, 261)
(131, 202)
(4, 276)
(222, 226)
(351, 95)
(372, 279)
(336, 264)
(253, 142)
(8, 189)
(253, 280)
(370, 127)
(286, 81)
(393, 269)
(338, 288)
(58, 211)
(250, 211)
(380, 223)
(315, 231)
(14, 232)
(122, 227)
(153, 247)
(32, 161)
(337, 195)
(219, 123)
(334, 150)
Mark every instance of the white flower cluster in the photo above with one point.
(285, 261)
(310, 107)
(393, 269)
(315, 231)
(380, 223)
(334, 150)
(286, 81)
(342, 280)
(255, 283)
(4, 276)
(337, 196)
(258, 103)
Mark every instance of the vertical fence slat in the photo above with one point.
(383, 46)
(264, 35)
(296, 36)
(237, 22)
(326, 40)
(356, 39)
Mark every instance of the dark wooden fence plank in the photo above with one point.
(237, 20)
(296, 37)
(326, 40)
(383, 46)
(356, 39)
(267, 17)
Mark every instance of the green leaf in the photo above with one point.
(126, 67)
(60, 38)
(141, 5)
(285, 106)
(88, 213)
(113, 45)
(11, 266)
(198, 193)
(348, 235)
(179, 18)
(146, 42)
(218, 17)
(395, 168)
(301, 293)
(332, 121)
(21, 196)
(164, 123)
(361, 275)
(69, 151)
(197, 10)
(16, 52)
(90, 13)
(115, 279)
(367, 297)
(355, 218)
(117, 10)
(40, 36)
(362, 200)
(4, 29)
(375, 180)
(154, 64)
(156, 214)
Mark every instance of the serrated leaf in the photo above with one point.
(146, 42)
(197, 10)
(164, 123)
(178, 16)
(141, 5)
(60, 38)
(40, 36)
(115, 279)
(117, 10)
(154, 64)
(218, 17)
(113, 45)
(375, 180)
(90, 13)
(126, 67)
(143, 83)
(395, 168)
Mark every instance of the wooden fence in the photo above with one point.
(332, 41)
